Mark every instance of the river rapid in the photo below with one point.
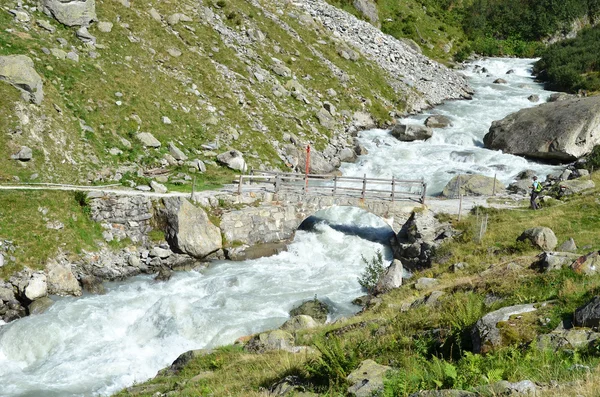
(99, 344)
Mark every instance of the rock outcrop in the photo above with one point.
(189, 230)
(557, 132)
(367, 379)
(588, 315)
(19, 71)
(71, 12)
(472, 185)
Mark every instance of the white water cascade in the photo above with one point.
(99, 344)
(459, 148)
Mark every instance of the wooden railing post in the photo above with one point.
(393, 188)
(277, 182)
(424, 193)
(364, 188)
(240, 184)
(334, 184)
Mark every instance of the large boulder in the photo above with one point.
(438, 121)
(188, 229)
(367, 379)
(368, 8)
(540, 237)
(575, 338)
(574, 186)
(296, 156)
(391, 278)
(233, 159)
(37, 287)
(558, 131)
(61, 280)
(588, 315)
(549, 261)
(486, 335)
(411, 132)
(472, 185)
(71, 12)
(19, 71)
(148, 140)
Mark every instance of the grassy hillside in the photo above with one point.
(202, 74)
(429, 345)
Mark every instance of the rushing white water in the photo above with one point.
(458, 149)
(96, 345)
(101, 344)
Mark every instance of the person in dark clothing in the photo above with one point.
(536, 188)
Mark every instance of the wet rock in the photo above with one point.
(438, 121)
(92, 284)
(410, 132)
(500, 81)
(540, 237)
(40, 305)
(164, 274)
(533, 98)
(367, 379)
(313, 308)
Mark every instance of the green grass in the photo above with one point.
(23, 222)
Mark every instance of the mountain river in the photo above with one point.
(99, 344)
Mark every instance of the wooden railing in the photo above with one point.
(366, 188)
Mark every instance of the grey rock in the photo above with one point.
(71, 12)
(347, 155)
(325, 119)
(486, 335)
(19, 71)
(270, 341)
(176, 152)
(438, 121)
(73, 56)
(533, 98)
(568, 246)
(500, 81)
(189, 230)
(472, 185)
(233, 159)
(93, 284)
(36, 287)
(164, 274)
(158, 187)
(368, 8)
(174, 52)
(363, 120)
(45, 25)
(58, 53)
(549, 261)
(105, 27)
(84, 35)
(575, 338)
(433, 298)
(161, 253)
(40, 305)
(540, 237)
(25, 154)
(425, 283)
(575, 186)
(298, 322)
(155, 15)
(148, 140)
(367, 379)
(61, 280)
(559, 96)
(391, 278)
(558, 131)
(588, 315)
(411, 132)
(281, 70)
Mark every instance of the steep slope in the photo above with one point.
(254, 76)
